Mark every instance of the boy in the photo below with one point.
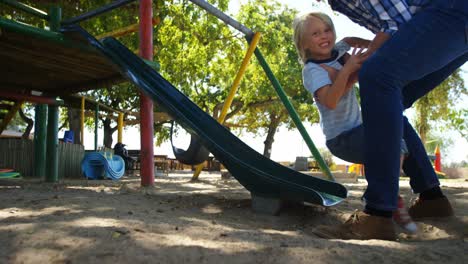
(329, 74)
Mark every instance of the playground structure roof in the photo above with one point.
(50, 63)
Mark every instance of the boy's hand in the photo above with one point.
(332, 72)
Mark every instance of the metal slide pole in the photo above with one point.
(295, 117)
(28, 9)
(96, 12)
(222, 16)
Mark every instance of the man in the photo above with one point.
(418, 44)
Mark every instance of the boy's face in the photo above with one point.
(318, 40)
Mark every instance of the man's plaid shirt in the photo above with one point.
(378, 15)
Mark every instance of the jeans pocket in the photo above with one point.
(459, 5)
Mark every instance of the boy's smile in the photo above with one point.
(319, 39)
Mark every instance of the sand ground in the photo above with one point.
(80, 221)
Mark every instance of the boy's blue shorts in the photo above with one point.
(349, 145)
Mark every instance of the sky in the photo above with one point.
(289, 144)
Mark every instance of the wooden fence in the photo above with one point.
(18, 154)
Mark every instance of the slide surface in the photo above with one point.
(258, 174)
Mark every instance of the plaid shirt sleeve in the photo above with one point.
(391, 13)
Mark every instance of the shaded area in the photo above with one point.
(206, 222)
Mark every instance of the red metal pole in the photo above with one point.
(146, 105)
(30, 98)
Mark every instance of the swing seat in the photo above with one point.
(195, 154)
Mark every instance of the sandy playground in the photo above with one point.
(80, 221)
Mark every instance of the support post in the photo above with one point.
(40, 134)
(120, 128)
(96, 128)
(146, 105)
(55, 16)
(82, 120)
(52, 145)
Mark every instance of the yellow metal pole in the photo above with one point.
(233, 91)
(125, 30)
(9, 116)
(119, 127)
(82, 120)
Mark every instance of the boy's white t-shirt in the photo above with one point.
(347, 114)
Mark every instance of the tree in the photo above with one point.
(201, 56)
(436, 109)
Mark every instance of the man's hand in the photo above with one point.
(379, 39)
(354, 63)
(357, 42)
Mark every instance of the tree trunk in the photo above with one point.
(270, 138)
(108, 131)
(28, 121)
(74, 123)
(422, 122)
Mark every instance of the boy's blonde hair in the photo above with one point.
(299, 25)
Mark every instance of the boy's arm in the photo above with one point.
(329, 95)
(332, 73)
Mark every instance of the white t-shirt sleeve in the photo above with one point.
(342, 47)
(315, 77)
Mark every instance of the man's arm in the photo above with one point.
(356, 42)
(379, 39)
(391, 13)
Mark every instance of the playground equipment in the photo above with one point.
(249, 34)
(55, 64)
(50, 64)
(263, 177)
(233, 91)
(97, 165)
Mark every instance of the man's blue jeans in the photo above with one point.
(419, 55)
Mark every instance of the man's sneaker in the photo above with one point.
(402, 218)
(430, 208)
(360, 226)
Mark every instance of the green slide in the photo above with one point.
(258, 174)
